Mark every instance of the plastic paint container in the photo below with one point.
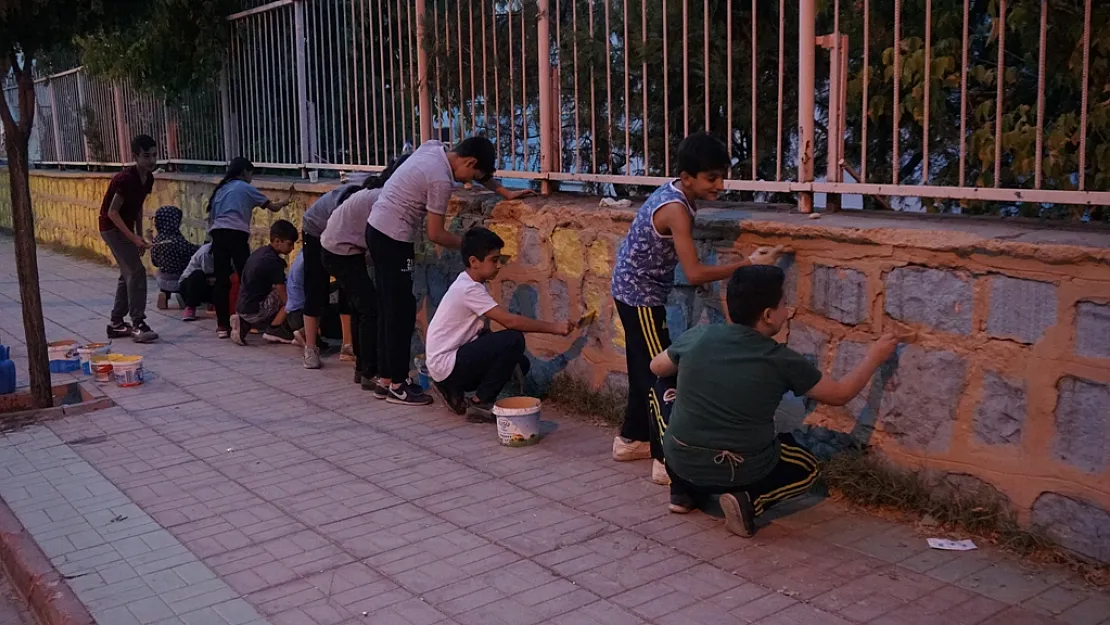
(518, 421)
(86, 352)
(127, 370)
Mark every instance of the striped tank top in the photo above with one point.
(646, 261)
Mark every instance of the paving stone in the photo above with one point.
(1020, 310)
(940, 299)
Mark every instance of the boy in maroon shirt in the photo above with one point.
(121, 226)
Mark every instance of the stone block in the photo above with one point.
(919, 410)
(508, 234)
(1079, 525)
(1092, 330)
(570, 257)
(811, 343)
(865, 406)
(523, 299)
(788, 265)
(1001, 413)
(839, 294)
(937, 298)
(560, 300)
(533, 249)
(1021, 310)
(1082, 424)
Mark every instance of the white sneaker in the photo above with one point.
(312, 357)
(659, 473)
(625, 450)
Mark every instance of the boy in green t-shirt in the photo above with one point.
(721, 438)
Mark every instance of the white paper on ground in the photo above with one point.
(951, 545)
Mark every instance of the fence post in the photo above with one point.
(807, 52)
(543, 36)
(302, 84)
(121, 125)
(225, 116)
(54, 123)
(81, 115)
(422, 74)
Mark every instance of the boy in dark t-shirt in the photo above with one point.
(262, 294)
(731, 378)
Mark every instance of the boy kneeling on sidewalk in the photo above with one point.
(462, 355)
(262, 293)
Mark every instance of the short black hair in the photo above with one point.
(142, 143)
(753, 289)
(479, 242)
(283, 230)
(702, 152)
(483, 151)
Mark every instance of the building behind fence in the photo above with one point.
(599, 92)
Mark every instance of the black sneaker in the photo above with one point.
(278, 334)
(371, 384)
(739, 514)
(480, 413)
(358, 377)
(455, 401)
(119, 330)
(141, 333)
(407, 394)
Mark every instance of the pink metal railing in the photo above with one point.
(600, 92)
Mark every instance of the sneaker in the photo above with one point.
(407, 394)
(278, 334)
(312, 357)
(358, 377)
(659, 473)
(477, 412)
(625, 450)
(371, 385)
(119, 330)
(681, 504)
(739, 514)
(238, 331)
(298, 338)
(189, 314)
(347, 353)
(163, 301)
(455, 401)
(141, 333)
(222, 333)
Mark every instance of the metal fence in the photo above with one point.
(959, 104)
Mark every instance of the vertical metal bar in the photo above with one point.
(413, 82)
(349, 77)
(705, 60)
(593, 104)
(121, 123)
(439, 92)
(755, 96)
(1000, 85)
(1083, 97)
(369, 104)
(644, 80)
(524, 130)
(543, 49)
(928, 92)
(666, 97)
(225, 114)
(387, 85)
(171, 138)
(473, 94)
(1038, 166)
(82, 104)
(302, 80)
(355, 117)
(627, 122)
(730, 131)
(422, 74)
(896, 160)
(782, 72)
(807, 24)
(608, 89)
(512, 93)
(963, 97)
(577, 115)
(54, 122)
(686, 68)
(458, 34)
(496, 85)
(394, 49)
(485, 72)
(865, 106)
(377, 70)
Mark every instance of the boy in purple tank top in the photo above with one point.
(660, 238)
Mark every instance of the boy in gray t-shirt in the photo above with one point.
(421, 187)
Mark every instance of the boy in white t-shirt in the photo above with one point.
(462, 356)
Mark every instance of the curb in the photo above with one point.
(50, 598)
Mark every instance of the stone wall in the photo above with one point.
(1007, 385)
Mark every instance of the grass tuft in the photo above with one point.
(604, 405)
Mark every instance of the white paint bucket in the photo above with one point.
(101, 367)
(518, 421)
(128, 370)
(86, 352)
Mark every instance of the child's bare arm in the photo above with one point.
(527, 324)
(674, 218)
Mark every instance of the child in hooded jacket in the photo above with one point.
(170, 253)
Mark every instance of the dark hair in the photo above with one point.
(479, 242)
(283, 230)
(753, 289)
(377, 182)
(482, 150)
(702, 152)
(142, 143)
(235, 169)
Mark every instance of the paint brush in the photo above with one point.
(587, 319)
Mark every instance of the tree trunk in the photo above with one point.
(26, 258)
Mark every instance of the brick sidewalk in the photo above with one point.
(237, 487)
